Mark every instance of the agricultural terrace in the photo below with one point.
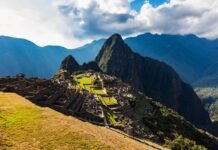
(93, 83)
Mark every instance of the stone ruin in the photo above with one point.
(60, 94)
(44, 92)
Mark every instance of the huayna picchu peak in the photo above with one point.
(155, 79)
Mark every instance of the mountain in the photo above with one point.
(209, 97)
(23, 56)
(210, 78)
(189, 55)
(87, 52)
(70, 64)
(192, 57)
(102, 100)
(155, 79)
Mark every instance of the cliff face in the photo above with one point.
(155, 79)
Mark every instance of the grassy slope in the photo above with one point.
(24, 125)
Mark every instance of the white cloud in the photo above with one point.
(74, 22)
(183, 16)
(39, 21)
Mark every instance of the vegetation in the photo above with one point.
(89, 82)
(181, 143)
(172, 129)
(112, 119)
(24, 125)
(108, 101)
(209, 97)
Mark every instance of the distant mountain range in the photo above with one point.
(23, 56)
(189, 55)
(194, 58)
(155, 78)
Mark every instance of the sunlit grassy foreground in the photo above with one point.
(24, 125)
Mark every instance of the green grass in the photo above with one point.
(25, 126)
(102, 100)
(85, 80)
(14, 118)
(87, 83)
(112, 119)
(109, 101)
(99, 91)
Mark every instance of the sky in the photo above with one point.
(137, 4)
(72, 23)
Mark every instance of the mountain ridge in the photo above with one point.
(155, 79)
(185, 53)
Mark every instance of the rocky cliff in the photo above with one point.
(155, 79)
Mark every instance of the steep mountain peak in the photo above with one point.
(112, 51)
(69, 64)
(115, 43)
(116, 37)
(155, 79)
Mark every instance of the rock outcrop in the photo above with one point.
(70, 64)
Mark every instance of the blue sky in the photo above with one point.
(137, 4)
(73, 23)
